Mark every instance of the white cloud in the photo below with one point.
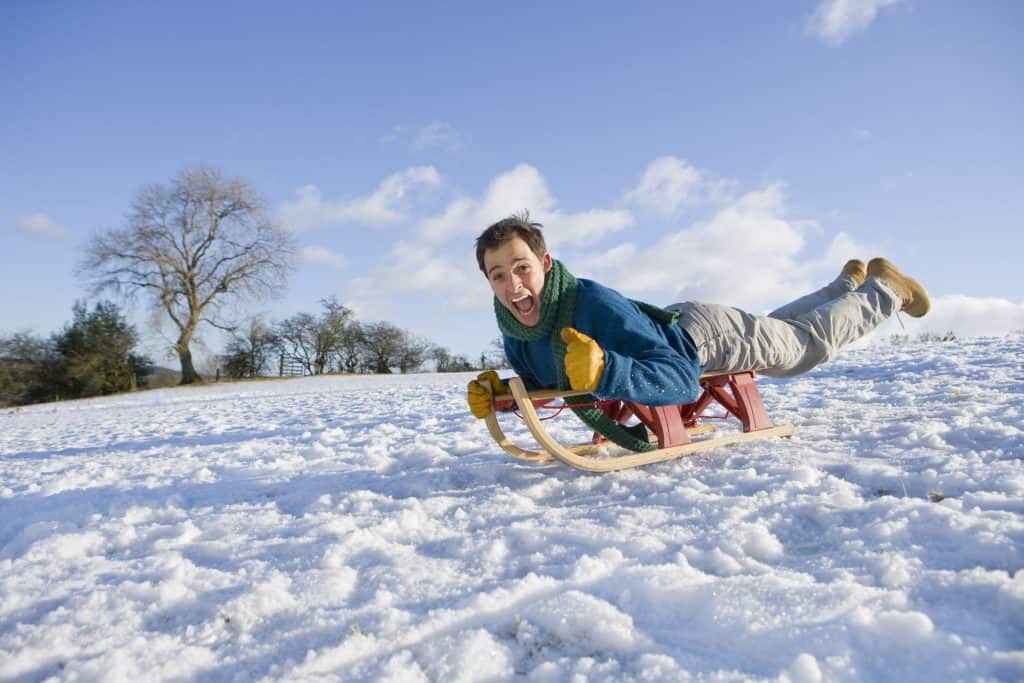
(40, 224)
(580, 228)
(385, 205)
(747, 254)
(448, 279)
(518, 189)
(745, 250)
(437, 135)
(323, 256)
(816, 271)
(836, 20)
(969, 317)
(749, 237)
(453, 282)
(443, 282)
(521, 188)
(670, 184)
(416, 266)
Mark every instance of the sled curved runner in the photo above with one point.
(672, 426)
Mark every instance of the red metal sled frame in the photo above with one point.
(672, 426)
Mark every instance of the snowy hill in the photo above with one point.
(367, 528)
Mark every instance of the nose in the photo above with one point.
(514, 283)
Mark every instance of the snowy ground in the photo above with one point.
(351, 528)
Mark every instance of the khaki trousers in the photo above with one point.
(791, 339)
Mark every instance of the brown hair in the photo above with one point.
(516, 225)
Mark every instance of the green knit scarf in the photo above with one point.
(558, 310)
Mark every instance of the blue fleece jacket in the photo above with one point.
(645, 361)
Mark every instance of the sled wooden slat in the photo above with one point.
(744, 402)
(581, 449)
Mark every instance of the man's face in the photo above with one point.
(517, 278)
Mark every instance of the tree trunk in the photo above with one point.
(188, 371)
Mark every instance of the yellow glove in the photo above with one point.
(584, 360)
(479, 399)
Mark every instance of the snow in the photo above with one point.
(368, 529)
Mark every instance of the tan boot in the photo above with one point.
(915, 299)
(854, 269)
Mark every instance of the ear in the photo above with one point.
(547, 261)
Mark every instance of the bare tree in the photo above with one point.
(350, 347)
(315, 341)
(442, 358)
(446, 361)
(298, 335)
(413, 353)
(383, 344)
(248, 354)
(334, 328)
(192, 248)
(387, 346)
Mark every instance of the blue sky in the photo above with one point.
(734, 152)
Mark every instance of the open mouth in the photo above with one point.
(524, 304)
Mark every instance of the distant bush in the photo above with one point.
(95, 354)
(922, 338)
(22, 357)
(899, 339)
(936, 337)
(92, 355)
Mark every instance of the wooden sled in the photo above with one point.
(671, 426)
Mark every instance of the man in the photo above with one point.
(562, 332)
